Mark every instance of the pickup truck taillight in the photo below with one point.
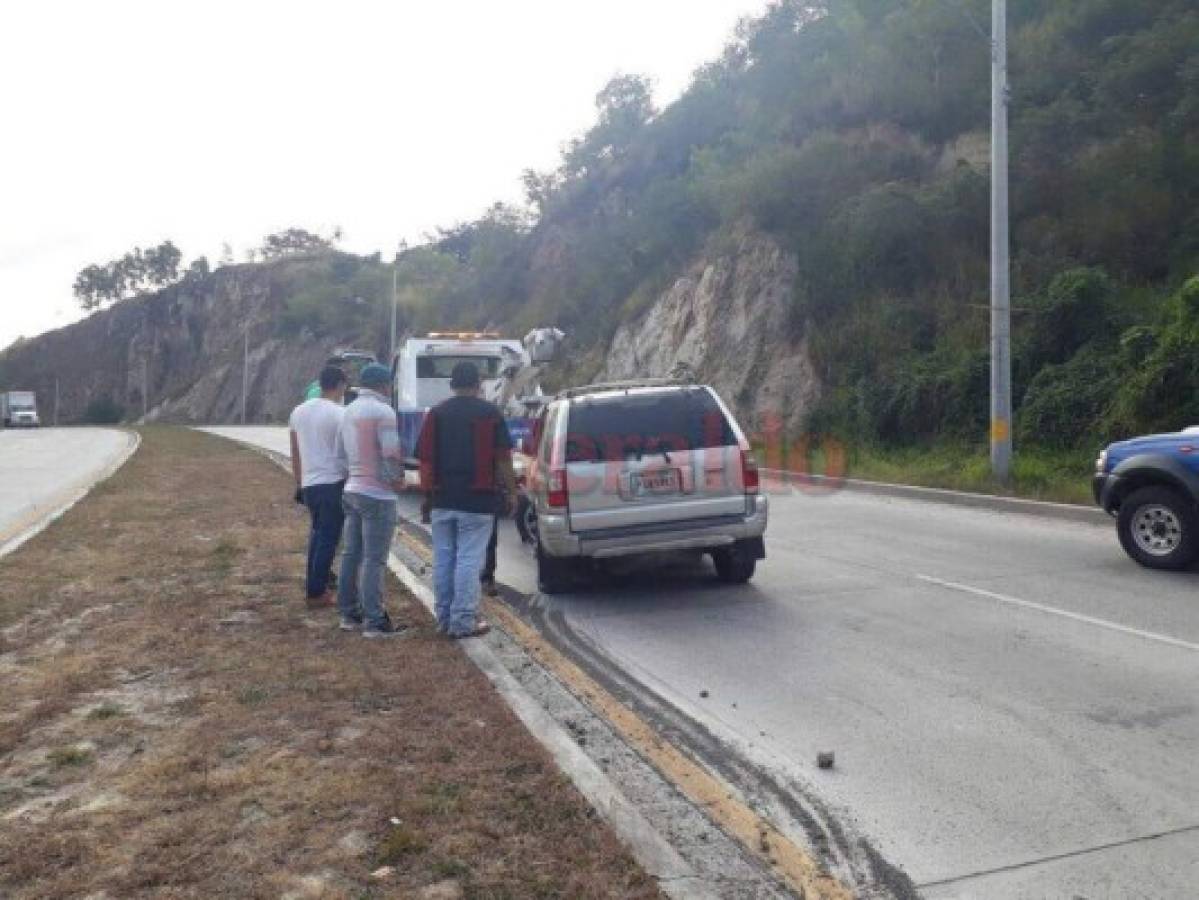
(749, 472)
(556, 493)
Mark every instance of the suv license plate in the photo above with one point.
(665, 481)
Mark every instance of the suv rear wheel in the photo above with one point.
(734, 565)
(554, 575)
(1157, 528)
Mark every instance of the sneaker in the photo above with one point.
(345, 623)
(385, 630)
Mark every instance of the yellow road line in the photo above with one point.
(795, 865)
(801, 872)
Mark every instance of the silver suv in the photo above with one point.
(640, 467)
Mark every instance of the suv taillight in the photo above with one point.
(556, 493)
(749, 472)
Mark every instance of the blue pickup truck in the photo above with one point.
(1151, 485)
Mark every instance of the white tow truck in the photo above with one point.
(510, 373)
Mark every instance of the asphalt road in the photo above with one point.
(40, 469)
(1013, 704)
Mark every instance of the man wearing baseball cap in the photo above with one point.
(370, 443)
(464, 445)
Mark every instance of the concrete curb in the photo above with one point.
(649, 848)
(58, 508)
(653, 852)
(1045, 509)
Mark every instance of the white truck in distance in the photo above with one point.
(18, 409)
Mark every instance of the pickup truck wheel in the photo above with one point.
(1158, 526)
(554, 575)
(734, 565)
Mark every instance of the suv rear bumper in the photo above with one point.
(697, 534)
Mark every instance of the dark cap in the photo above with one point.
(375, 376)
(465, 375)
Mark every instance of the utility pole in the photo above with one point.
(245, 372)
(394, 276)
(1001, 308)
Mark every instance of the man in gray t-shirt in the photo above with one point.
(369, 441)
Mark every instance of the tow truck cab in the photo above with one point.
(421, 372)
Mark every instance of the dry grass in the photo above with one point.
(176, 723)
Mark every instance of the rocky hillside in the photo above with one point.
(178, 354)
(807, 227)
(852, 136)
(726, 320)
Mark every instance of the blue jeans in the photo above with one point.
(370, 524)
(459, 544)
(324, 506)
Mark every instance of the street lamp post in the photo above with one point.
(245, 371)
(1001, 310)
(394, 285)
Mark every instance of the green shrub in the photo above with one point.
(1072, 312)
(1162, 392)
(1065, 403)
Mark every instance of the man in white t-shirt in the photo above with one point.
(320, 477)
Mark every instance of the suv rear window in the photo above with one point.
(612, 429)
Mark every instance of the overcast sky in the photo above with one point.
(125, 123)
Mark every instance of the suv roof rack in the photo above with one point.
(631, 384)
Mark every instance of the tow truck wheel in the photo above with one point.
(1157, 528)
(526, 520)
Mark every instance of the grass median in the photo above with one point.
(1058, 476)
(176, 722)
(1061, 476)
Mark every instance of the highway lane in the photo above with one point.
(1014, 705)
(40, 469)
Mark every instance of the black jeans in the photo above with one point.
(488, 573)
(324, 506)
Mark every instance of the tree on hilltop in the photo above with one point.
(296, 242)
(625, 105)
(137, 271)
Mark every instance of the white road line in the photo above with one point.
(1065, 614)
